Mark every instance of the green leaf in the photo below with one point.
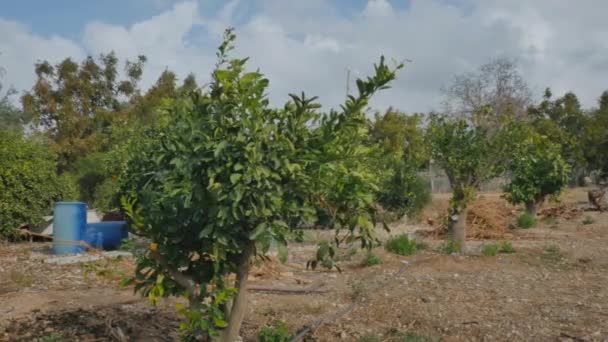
(220, 323)
(219, 148)
(259, 230)
(235, 177)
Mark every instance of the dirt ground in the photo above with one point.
(553, 288)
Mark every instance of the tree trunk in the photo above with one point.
(239, 305)
(457, 226)
(531, 208)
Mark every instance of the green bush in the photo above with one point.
(489, 250)
(276, 332)
(404, 192)
(588, 220)
(28, 183)
(536, 167)
(506, 248)
(401, 245)
(526, 221)
(90, 172)
(449, 247)
(371, 259)
(105, 197)
(69, 184)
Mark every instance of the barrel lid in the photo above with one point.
(70, 203)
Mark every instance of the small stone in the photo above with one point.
(49, 330)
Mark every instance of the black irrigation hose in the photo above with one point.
(315, 325)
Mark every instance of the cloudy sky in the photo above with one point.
(309, 44)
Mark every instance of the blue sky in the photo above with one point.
(309, 44)
(69, 17)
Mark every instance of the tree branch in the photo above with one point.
(183, 280)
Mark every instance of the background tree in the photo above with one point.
(11, 118)
(223, 178)
(28, 183)
(404, 153)
(536, 167)
(75, 103)
(497, 85)
(147, 108)
(563, 121)
(469, 155)
(596, 138)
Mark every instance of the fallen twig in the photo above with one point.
(574, 338)
(261, 288)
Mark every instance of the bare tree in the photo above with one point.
(495, 89)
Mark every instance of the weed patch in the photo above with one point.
(449, 247)
(401, 245)
(371, 259)
(53, 337)
(489, 250)
(276, 332)
(526, 221)
(506, 247)
(358, 291)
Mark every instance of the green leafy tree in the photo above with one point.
(537, 170)
(228, 175)
(28, 183)
(563, 121)
(74, 104)
(404, 152)
(149, 107)
(469, 155)
(11, 118)
(596, 138)
(401, 134)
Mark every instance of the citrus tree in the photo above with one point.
(228, 176)
(403, 153)
(28, 183)
(469, 155)
(537, 170)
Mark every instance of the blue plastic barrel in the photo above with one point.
(111, 233)
(69, 221)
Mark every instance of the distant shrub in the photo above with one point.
(404, 192)
(489, 250)
(526, 221)
(371, 259)
(276, 332)
(506, 247)
(401, 245)
(449, 247)
(588, 220)
(28, 182)
(358, 291)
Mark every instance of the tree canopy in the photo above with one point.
(75, 103)
(222, 180)
(536, 169)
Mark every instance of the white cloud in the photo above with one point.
(164, 39)
(308, 45)
(20, 49)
